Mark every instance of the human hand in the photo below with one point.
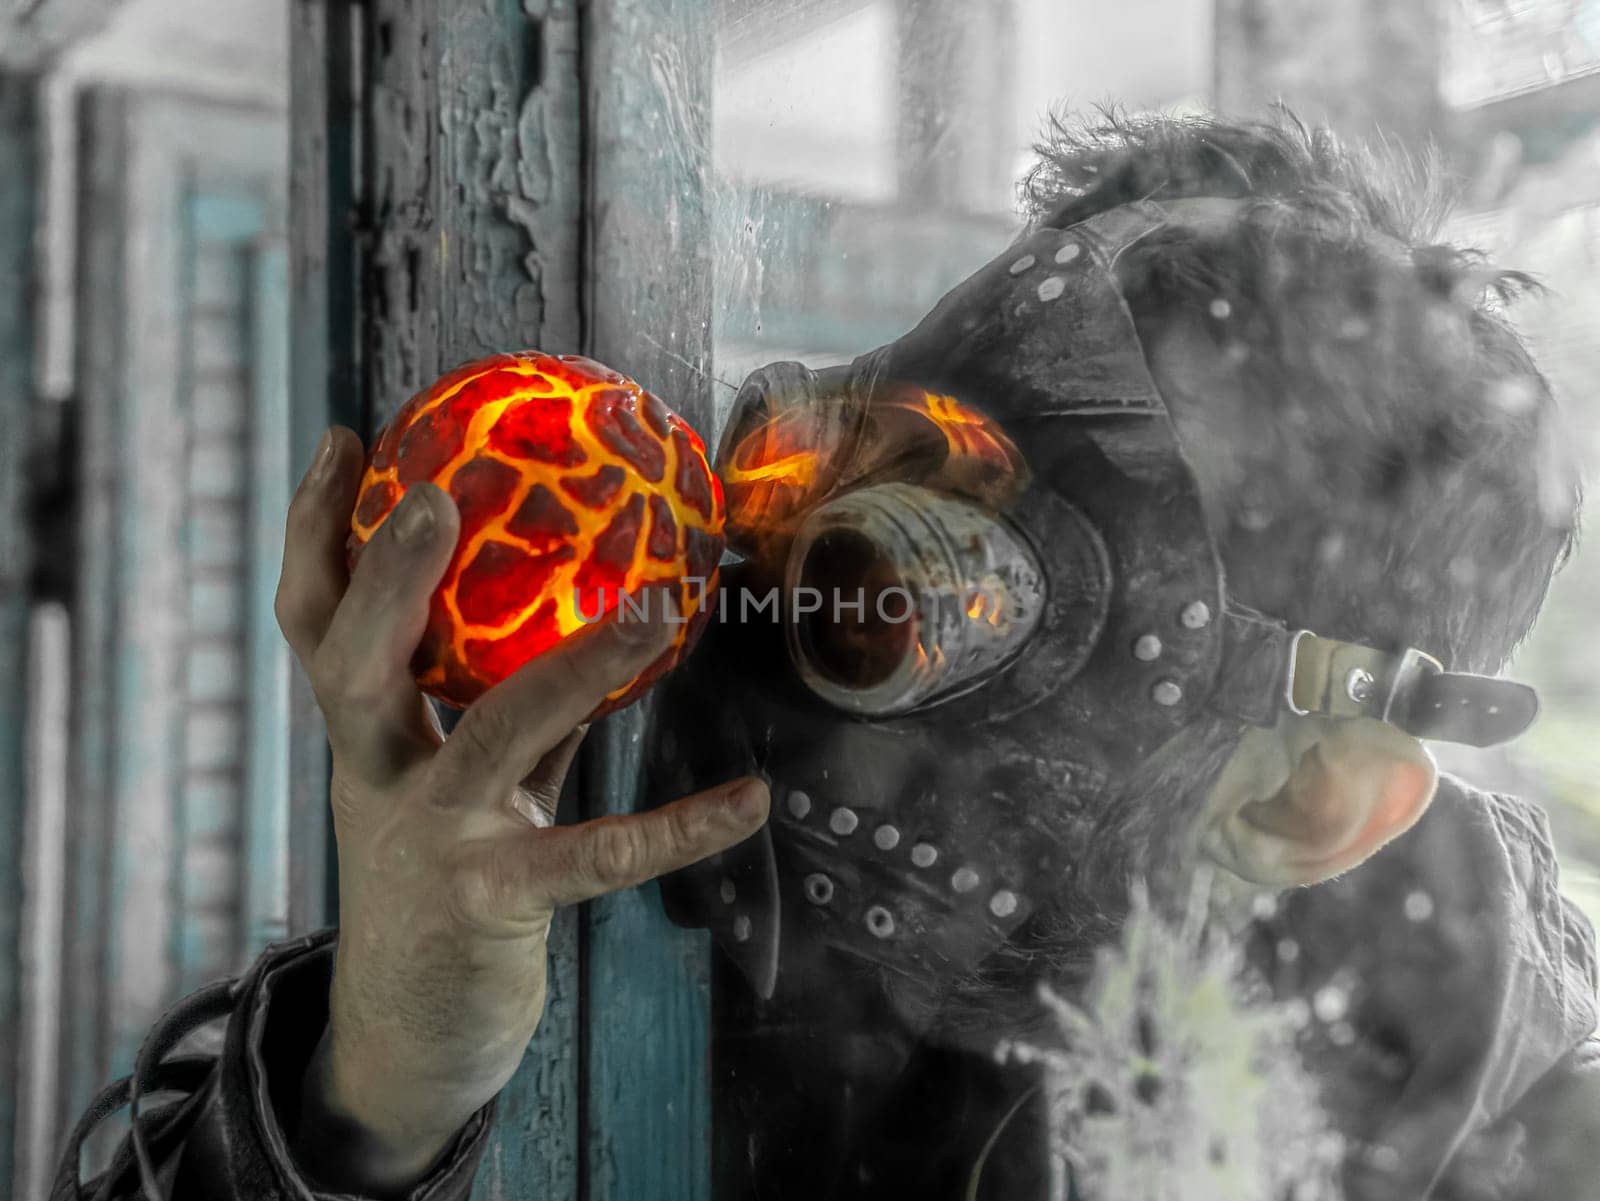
(445, 891)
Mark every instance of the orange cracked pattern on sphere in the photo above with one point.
(574, 485)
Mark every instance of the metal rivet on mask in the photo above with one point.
(880, 921)
(1147, 649)
(799, 805)
(1022, 264)
(741, 928)
(727, 891)
(964, 879)
(819, 889)
(1051, 288)
(1068, 252)
(843, 821)
(1003, 903)
(1358, 685)
(1196, 616)
(1166, 692)
(924, 854)
(886, 838)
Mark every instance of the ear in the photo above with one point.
(1315, 797)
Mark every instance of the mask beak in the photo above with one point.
(798, 437)
(790, 436)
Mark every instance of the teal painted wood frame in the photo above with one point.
(19, 182)
(168, 182)
(466, 221)
(324, 388)
(233, 300)
(436, 195)
(264, 850)
(647, 1012)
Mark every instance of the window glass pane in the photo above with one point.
(1499, 48)
(867, 151)
(866, 159)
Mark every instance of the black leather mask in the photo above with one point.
(1008, 473)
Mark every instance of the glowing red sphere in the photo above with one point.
(575, 487)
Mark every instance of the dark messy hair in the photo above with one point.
(1392, 469)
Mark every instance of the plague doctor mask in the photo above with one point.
(995, 597)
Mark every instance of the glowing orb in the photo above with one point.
(575, 486)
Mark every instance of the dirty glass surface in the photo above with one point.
(865, 159)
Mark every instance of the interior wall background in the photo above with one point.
(150, 801)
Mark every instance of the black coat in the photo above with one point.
(1475, 1066)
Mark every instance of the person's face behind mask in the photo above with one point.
(998, 602)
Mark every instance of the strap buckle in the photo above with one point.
(1345, 679)
(1413, 667)
(1291, 670)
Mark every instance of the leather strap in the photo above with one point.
(1266, 668)
(1475, 710)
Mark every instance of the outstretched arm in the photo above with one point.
(445, 891)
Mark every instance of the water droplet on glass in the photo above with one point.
(1330, 1003)
(1383, 1157)
(1513, 395)
(1419, 906)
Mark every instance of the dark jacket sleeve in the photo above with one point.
(1553, 1133)
(219, 1129)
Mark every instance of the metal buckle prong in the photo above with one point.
(1412, 667)
(1294, 666)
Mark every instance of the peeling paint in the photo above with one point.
(401, 327)
(472, 133)
(510, 123)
